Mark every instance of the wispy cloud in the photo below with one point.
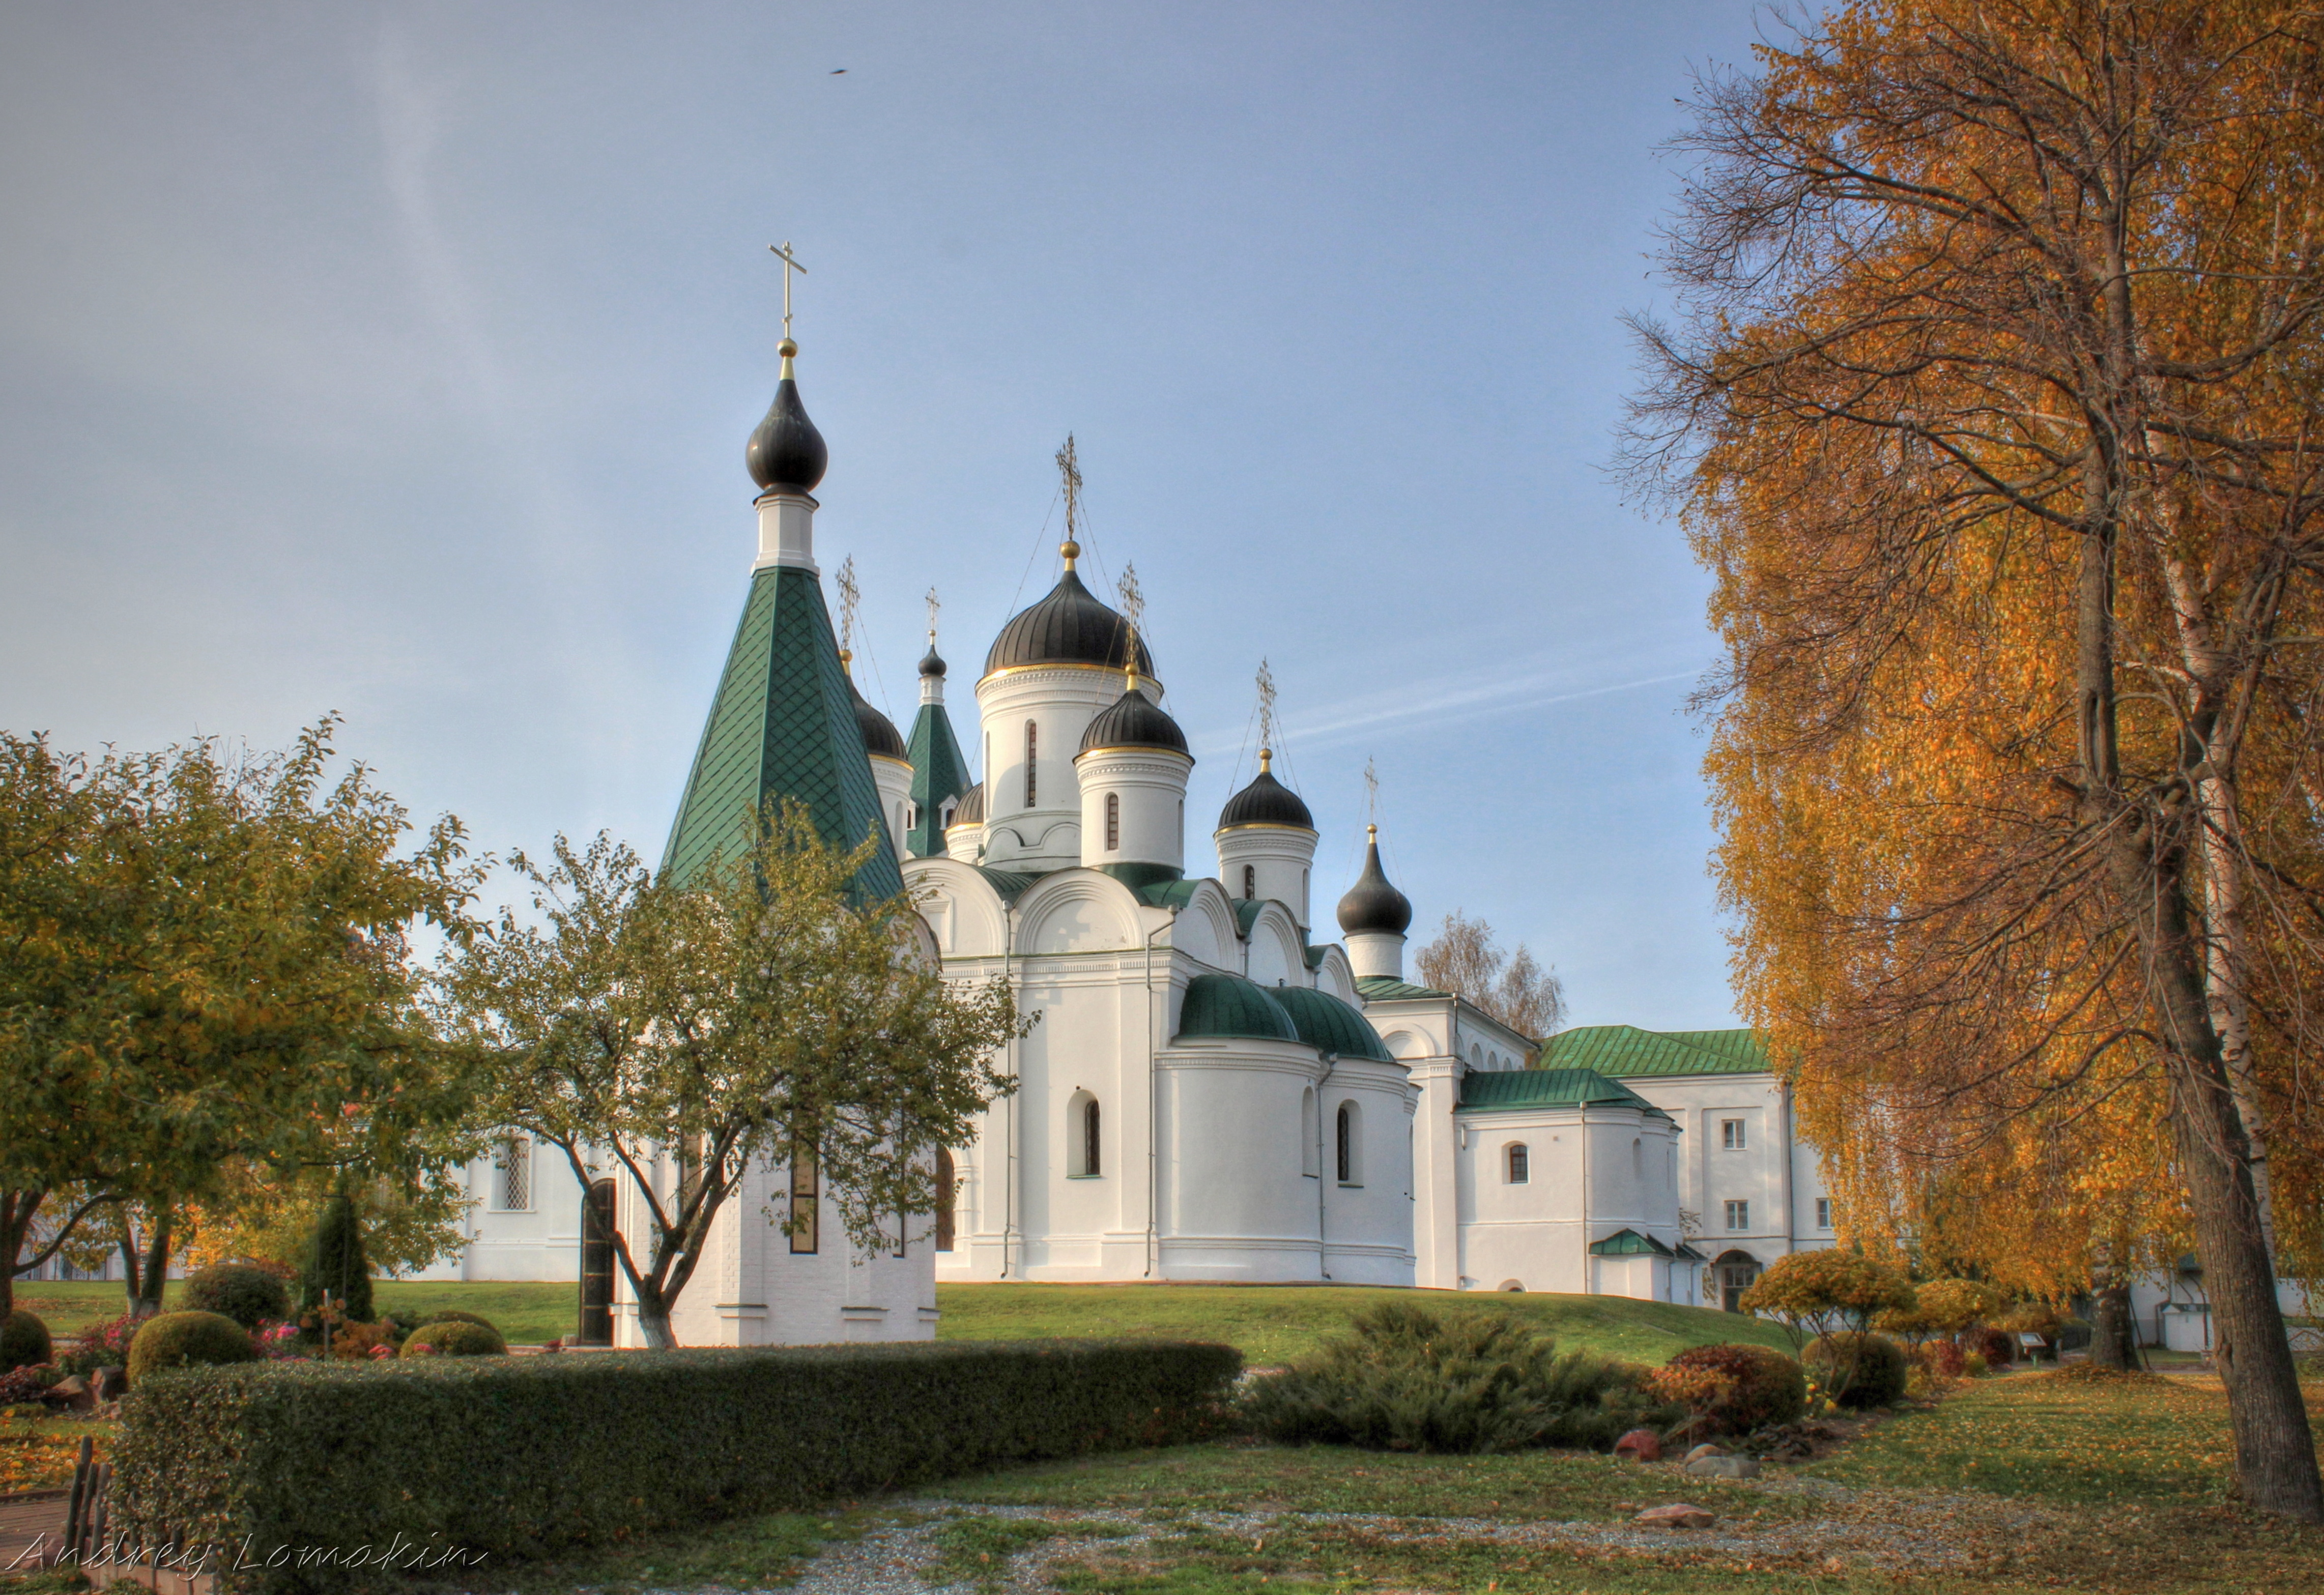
(1443, 700)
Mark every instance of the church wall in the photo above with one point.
(1529, 1236)
(1059, 701)
(1368, 1222)
(1711, 1175)
(1237, 1202)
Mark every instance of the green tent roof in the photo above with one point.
(782, 725)
(939, 773)
(1230, 1005)
(1509, 1090)
(1618, 1051)
(1328, 1024)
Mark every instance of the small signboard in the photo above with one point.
(2032, 1341)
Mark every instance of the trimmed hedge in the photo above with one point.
(597, 1448)
(454, 1316)
(249, 1295)
(23, 1342)
(455, 1337)
(184, 1339)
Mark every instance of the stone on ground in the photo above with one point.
(1640, 1445)
(1676, 1515)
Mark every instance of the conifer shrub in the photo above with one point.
(249, 1295)
(24, 1341)
(336, 1263)
(1858, 1369)
(382, 1458)
(1406, 1378)
(187, 1340)
(455, 1337)
(1768, 1387)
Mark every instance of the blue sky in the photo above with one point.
(398, 360)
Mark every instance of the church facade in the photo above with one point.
(1213, 1090)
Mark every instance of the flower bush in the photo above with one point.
(1767, 1386)
(106, 1346)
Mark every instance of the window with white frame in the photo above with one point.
(1823, 1212)
(1738, 1215)
(1520, 1164)
(1731, 1134)
(513, 1175)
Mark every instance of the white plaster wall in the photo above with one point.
(893, 777)
(1151, 785)
(1236, 1201)
(1061, 700)
(1368, 1222)
(1282, 859)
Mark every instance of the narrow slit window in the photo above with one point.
(1032, 762)
(1114, 822)
(1249, 882)
(1351, 1160)
(1092, 1157)
(805, 1204)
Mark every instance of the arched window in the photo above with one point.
(1476, 1056)
(1249, 882)
(1086, 1158)
(1520, 1164)
(946, 1196)
(1637, 1160)
(804, 1204)
(1032, 762)
(512, 1169)
(1351, 1160)
(1309, 1133)
(1114, 822)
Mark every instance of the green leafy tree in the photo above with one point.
(716, 1022)
(204, 971)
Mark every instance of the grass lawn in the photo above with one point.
(1272, 1324)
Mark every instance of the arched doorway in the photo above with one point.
(597, 1265)
(1731, 1276)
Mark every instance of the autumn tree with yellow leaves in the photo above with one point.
(1992, 402)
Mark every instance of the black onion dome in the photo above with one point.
(787, 451)
(1071, 626)
(970, 811)
(1133, 719)
(933, 663)
(1372, 906)
(879, 738)
(1266, 802)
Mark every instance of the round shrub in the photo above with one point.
(454, 1316)
(1857, 1369)
(23, 1342)
(187, 1340)
(455, 1337)
(1998, 1348)
(1769, 1388)
(249, 1295)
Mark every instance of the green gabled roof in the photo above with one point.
(939, 774)
(1329, 1025)
(1246, 911)
(1230, 1005)
(1629, 1243)
(1316, 955)
(1380, 988)
(1623, 1050)
(782, 725)
(1506, 1089)
(1173, 895)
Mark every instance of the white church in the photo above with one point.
(1218, 1087)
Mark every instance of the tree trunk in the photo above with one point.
(17, 1211)
(2114, 1334)
(148, 1300)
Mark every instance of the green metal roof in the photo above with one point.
(1139, 877)
(1173, 895)
(1622, 1050)
(1316, 955)
(1230, 1005)
(1330, 1024)
(1246, 911)
(1629, 1243)
(1379, 988)
(1010, 885)
(782, 725)
(1509, 1090)
(939, 774)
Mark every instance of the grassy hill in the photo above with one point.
(1269, 1324)
(1274, 1323)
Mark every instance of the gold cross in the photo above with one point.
(782, 252)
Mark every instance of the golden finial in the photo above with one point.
(1265, 756)
(847, 661)
(1372, 832)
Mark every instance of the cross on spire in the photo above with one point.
(1070, 471)
(851, 598)
(1266, 713)
(782, 252)
(1371, 794)
(935, 604)
(1132, 599)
